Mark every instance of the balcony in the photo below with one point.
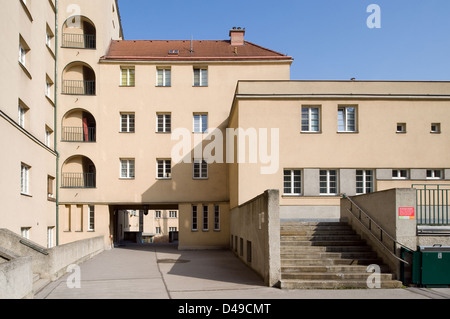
(78, 87)
(78, 172)
(78, 134)
(78, 79)
(79, 125)
(78, 180)
(79, 41)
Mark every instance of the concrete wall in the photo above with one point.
(383, 208)
(16, 276)
(256, 225)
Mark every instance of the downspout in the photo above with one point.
(56, 122)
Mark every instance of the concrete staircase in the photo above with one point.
(327, 255)
(39, 283)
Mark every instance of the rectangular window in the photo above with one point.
(50, 237)
(328, 182)
(91, 218)
(173, 214)
(127, 122)
(310, 119)
(200, 169)
(164, 123)
(401, 127)
(158, 230)
(400, 174)
(127, 76)
(51, 187)
(216, 217)
(194, 218)
(200, 123)
(364, 181)
(200, 77)
(25, 232)
(21, 115)
(127, 168)
(172, 229)
(22, 53)
(164, 168)
(25, 179)
(292, 182)
(435, 127)
(205, 218)
(434, 174)
(48, 136)
(48, 87)
(346, 119)
(164, 77)
(157, 214)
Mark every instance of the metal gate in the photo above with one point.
(432, 204)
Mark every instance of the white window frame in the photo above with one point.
(25, 179)
(291, 175)
(397, 173)
(129, 165)
(125, 78)
(172, 229)
(48, 136)
(22, 54)
(91, 218)
(158, 230)
(431, 174)
(163, 166)
(367, 179)
(307, 116)
(25, 232)
(166, 77)
(21, 116)
(194, 218)
(205, 218)
(200, 165)
(165, 119)
(50, 237)
(344, 118)
(173, 214)
(202, 77)
(328, 176)
(125, 122)
(158, 214)
(200, 123)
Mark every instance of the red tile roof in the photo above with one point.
(180, 50)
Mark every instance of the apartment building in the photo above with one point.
(341, 137)
(27, 122)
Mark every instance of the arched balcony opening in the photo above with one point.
(78, 172)
(79, 33)
(78, 79)
(79, 126)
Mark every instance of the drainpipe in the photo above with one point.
(56, 122)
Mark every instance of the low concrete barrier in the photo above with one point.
(255, 235)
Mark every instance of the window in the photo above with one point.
(127, 167)
(172, 214)
(50, 187)
(216, 217)
(127, 123)
(50, 236)
(200, 123)
(157, 214)
(25, 179)
(328, 182)
(164, 77)
(22, 110)
(401, 127)
(172, 229)
(194, 218)
(435, 127)
(200, 77)
(292, 182)
(158, 230)
(200, 169)
(205, 218)
(164, 168)
(164, 123)
(91, 218)
(127, 76)
(347, 119)
(364, 181)
(400, 174)
(22, 53)
(434, 174)
(48, 87)
(49, 35)
(25, 232)
(310, 119)
(48, 136)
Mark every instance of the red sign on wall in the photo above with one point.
(406, 213)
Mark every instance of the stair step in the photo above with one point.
(335, 284)
(333, 276)
(323, 243)
(306, 232)
(346, 237)
(328, 269)
(328, 262)
(296, 254)
(288, 249)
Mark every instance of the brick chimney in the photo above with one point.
(237, 36)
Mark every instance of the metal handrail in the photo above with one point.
(381, 231)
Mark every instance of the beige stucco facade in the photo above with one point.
(27, 123)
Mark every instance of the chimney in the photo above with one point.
(237, 36)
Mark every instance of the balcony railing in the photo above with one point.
(79, 41)
(78, 134)
(78, 180)
(78, 87)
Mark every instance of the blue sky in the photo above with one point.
(328, 39)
